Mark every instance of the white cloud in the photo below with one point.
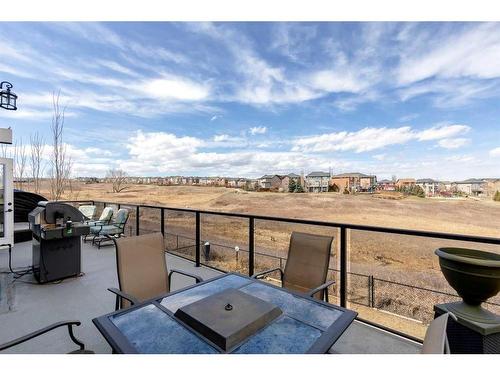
(221, 138)
(258, 130)
(451, 143)
(460, 158)
(213, 118)
(495, 152)
(175, 88)
(369, 139)
(471, 53)
(337, 81)
(160, 153)
(442, 131)
(366, 139)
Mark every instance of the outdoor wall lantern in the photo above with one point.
(7, 98)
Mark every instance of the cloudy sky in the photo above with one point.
(244, 99)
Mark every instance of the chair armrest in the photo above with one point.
(320, 288)
(32, 335)
(119, 294)
(196, 277)
(260, 274)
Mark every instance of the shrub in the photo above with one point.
(292, 186)
(333, 188)
(299, 188)
(496, 197)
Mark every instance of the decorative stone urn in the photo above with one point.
(475, 275)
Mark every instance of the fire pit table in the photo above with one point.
(228, 314)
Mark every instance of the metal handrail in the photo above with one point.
(369, 228)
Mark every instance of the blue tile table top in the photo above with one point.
(302, 309)
(152, 328)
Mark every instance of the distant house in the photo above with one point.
(242, 183)
(445, 186)
(285, 181)
(492, 186)
(317, 182)
(354, 182)
(386, 185)
(429, 186)
(405, 183)
(269, 181)
(471, 186)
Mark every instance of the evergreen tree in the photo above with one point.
(292, 185)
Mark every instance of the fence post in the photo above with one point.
(343, 267)
(162, 221)
(251, 246)
(198, 238)
(373, 291)
(137, 220)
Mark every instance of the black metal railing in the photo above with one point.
(375, 285)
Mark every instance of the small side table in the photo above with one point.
(468, 337)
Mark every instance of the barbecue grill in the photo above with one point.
(56, 240)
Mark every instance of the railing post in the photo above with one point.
(162, 221)
(343, 267)
(251, 246)
(198, 238)
(137, 220)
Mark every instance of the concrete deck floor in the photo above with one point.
(84, 298)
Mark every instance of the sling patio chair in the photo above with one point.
(436, 340)
(306, 268)
(104, 233)
(32, 335)
(104, 219)
(88, 211)
(142, 269)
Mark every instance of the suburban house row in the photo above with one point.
(319, 182)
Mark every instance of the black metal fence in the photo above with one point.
(356, 288)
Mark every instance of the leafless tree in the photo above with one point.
(4, 151)
(118, 179)
(61, 163)
(37, 148)
(20, 158)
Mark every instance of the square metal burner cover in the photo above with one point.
(228, 317)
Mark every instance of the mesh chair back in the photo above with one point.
(88, 211)
(307, 264)
(106, 214)
(121, 217)
(435, 341)
(141, 266)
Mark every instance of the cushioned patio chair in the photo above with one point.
(88, 211)
(104, 219)
(104, 233)
(32, 335)
(306, 268)
(142, 269)
(436, 341)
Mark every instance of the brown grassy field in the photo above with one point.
(403, 259)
